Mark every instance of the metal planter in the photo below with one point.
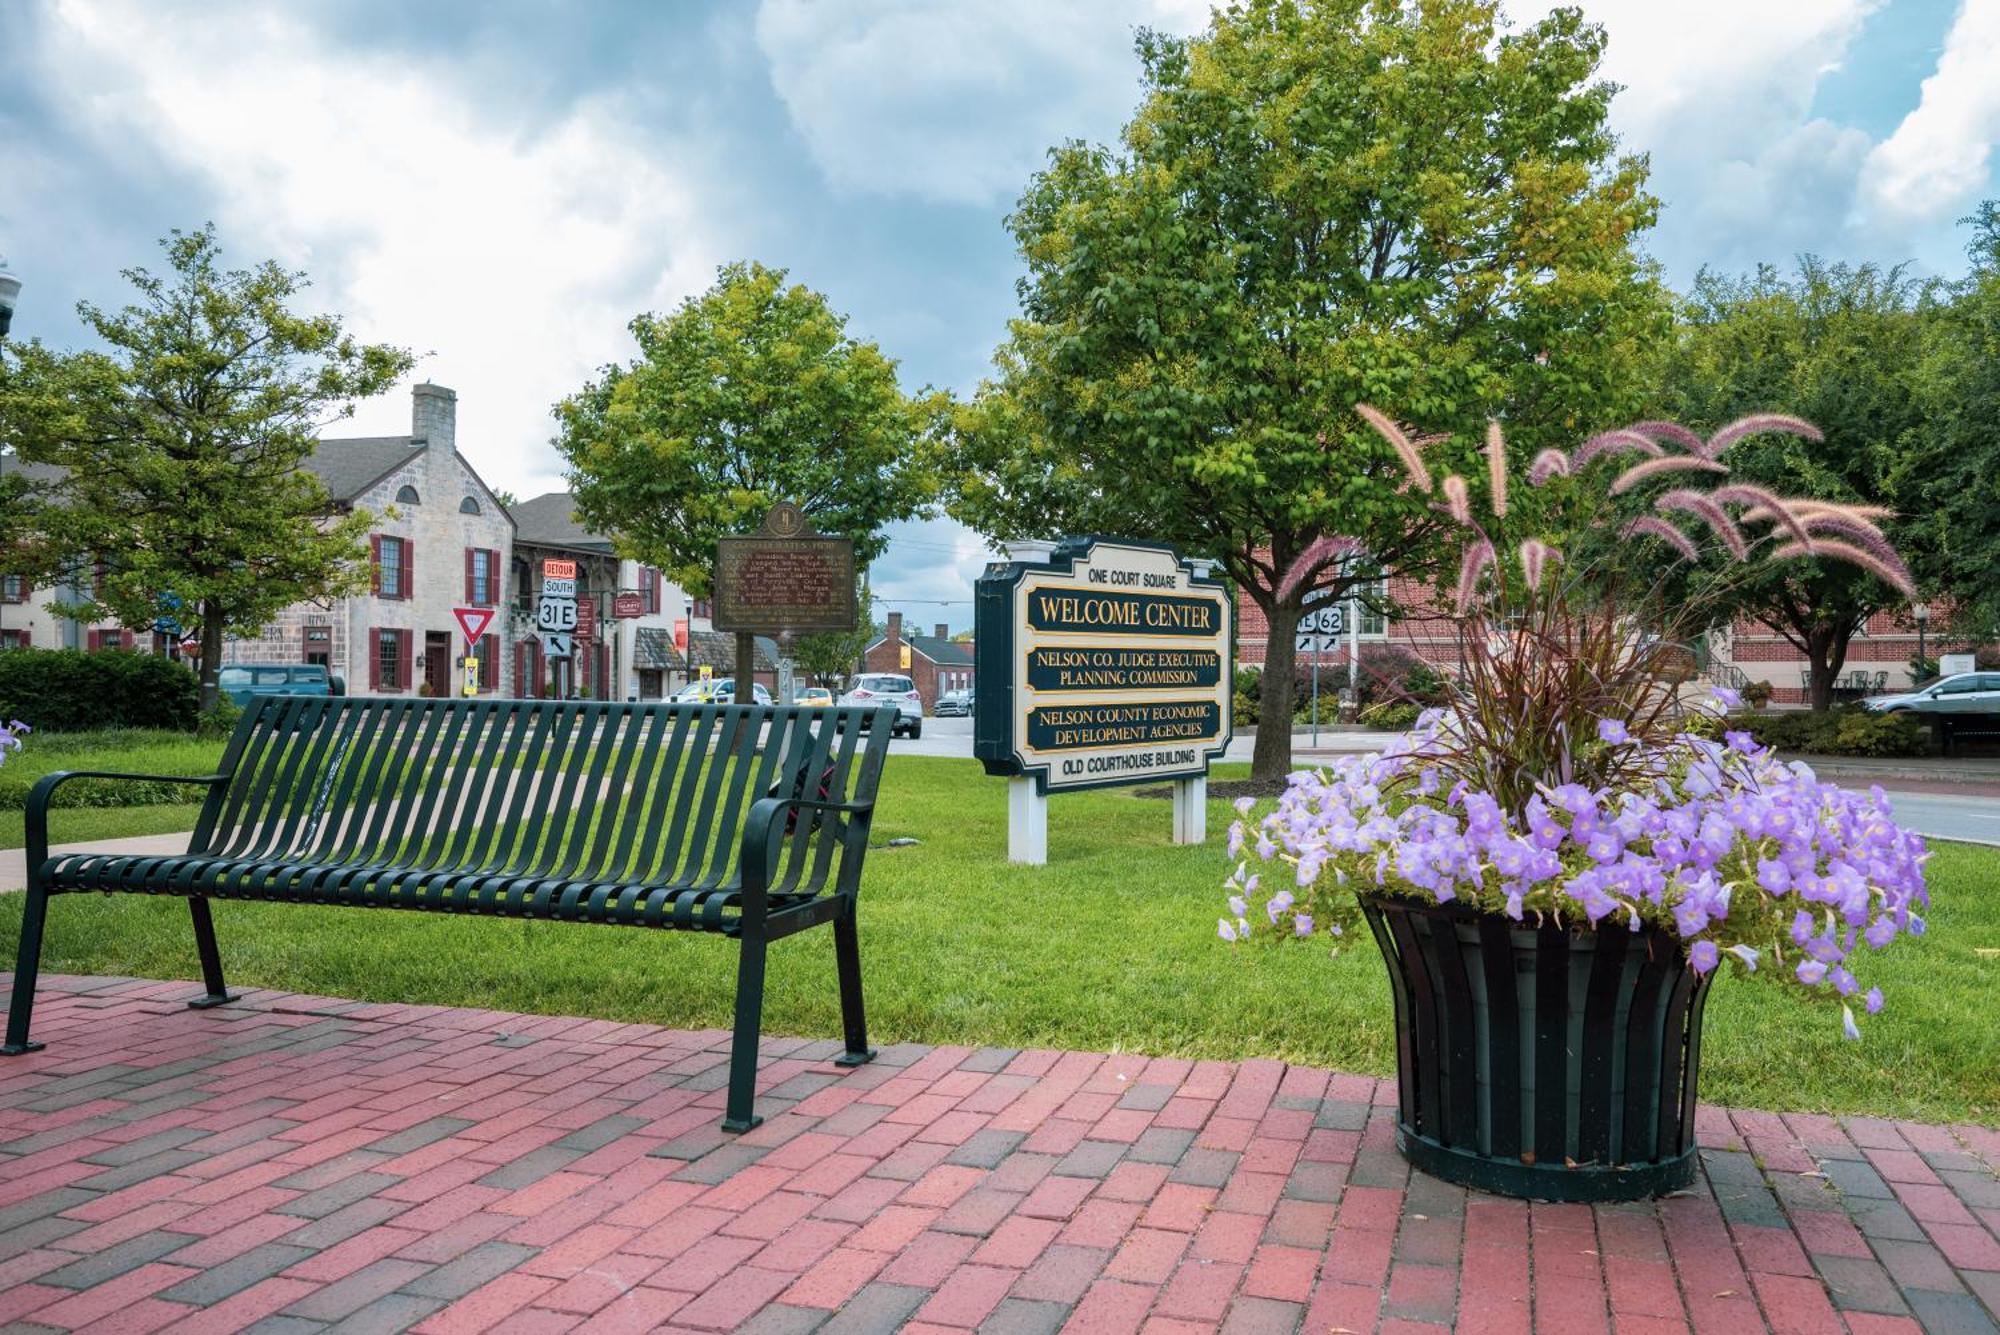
(1542, 1061)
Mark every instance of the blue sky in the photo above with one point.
(502, 185)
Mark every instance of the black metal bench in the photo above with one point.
(745, 820)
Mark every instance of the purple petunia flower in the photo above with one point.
(1302, 925)
(1224, 930)
(1874, 1000)
(1703, 956)
(1612, 731)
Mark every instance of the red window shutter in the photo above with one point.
(374, 660)
(409, 568)
(468, 578)
(537, 674)
(405, 652)
(126, 639)
(375, 563)
(94, 641)
(489, 662)
(493, 577)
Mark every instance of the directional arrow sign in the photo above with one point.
(558, 644)
(473, 621)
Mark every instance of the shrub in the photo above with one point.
(1757, 694)
(1250, 684)
(63, 690)
(1392, 716)
(219, 723)
(1851, 731)
(1389, 672)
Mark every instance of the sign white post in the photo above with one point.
(1027, 822)
(1191, 810)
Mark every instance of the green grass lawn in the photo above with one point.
(1111, 946)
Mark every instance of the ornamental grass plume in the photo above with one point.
(1562, 778)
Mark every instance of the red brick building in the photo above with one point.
(937, 663)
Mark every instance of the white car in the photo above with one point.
(722, 691)
(888, 688)
(1966, 693)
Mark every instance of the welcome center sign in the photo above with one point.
(1107, 664)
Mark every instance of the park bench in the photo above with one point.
(747, 821)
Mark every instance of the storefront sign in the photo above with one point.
(625, 606)
(1108, 664)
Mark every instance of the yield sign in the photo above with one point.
(473, 621)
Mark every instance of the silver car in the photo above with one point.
(889, 688)
(1966, 693)
(955, 704)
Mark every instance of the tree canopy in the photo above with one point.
(751, 393)
(1840, 346)
(1315, 205)
(176, 450)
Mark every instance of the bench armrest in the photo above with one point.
(38, 802)
(761, 830)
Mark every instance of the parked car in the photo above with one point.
(1966, 693)
(816, 697)
(721, 690)
(884, 688)
(955, 704)
(240, 682)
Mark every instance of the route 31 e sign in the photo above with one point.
(1109, 664)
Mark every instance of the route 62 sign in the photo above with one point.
(1320, 626)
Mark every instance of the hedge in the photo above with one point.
(1850, 731)
(64, 690)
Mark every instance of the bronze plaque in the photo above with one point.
(785, 578)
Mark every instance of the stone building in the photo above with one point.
(937, 663)
(440, 540)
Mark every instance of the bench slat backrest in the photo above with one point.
(640, 794)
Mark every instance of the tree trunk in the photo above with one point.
(1826, 653)
(211, 656)
(1271, 761)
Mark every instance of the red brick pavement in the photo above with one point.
(298, 1163)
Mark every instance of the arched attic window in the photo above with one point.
(408, 496)
(468, 506)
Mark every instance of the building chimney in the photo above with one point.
(434, 416)
(895, 629)
(943, 631)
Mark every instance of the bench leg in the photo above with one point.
(211, 959)
(847, 955)
(741, 1113)
(28, 964)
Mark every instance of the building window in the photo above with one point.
(704, 609)
(468, 506)
(392, 566)
(13, 588)
(389, 660)
(408, 496)
(15, 639)
(482, 570)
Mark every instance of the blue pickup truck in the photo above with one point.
(242, 681)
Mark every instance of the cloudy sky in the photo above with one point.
(502, 185)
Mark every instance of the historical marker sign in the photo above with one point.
(784, 578)
(1108, 664)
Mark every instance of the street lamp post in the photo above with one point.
(1922, 613)
(10, 291)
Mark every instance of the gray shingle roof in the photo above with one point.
(349, 467)
(549, 520)
(717, 649)
(653, 647)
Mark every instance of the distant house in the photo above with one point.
(643, 657)
(937, 663)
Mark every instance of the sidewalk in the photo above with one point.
(297, 1163)
(14, 861)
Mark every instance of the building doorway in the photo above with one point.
(437, 663)
(318, 647)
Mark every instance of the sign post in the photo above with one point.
(555, 618)
(784, 579)
(1319, 628)
(473, 621)
(1110, 663)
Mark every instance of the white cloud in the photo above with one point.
(1936, 161)
(516, 256)
(955, 103)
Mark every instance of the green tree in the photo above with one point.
(1315, 205)
(179, 444)
(749, 394)
(1839, 346)
(1950, 482)
(831, 655)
